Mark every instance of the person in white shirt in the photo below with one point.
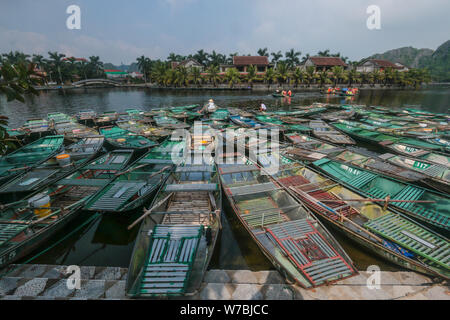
(262, 107)
(210, 107)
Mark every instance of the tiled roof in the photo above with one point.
(385, 64)
(248, 60)
(327, 61)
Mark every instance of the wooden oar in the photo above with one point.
(341, 217)
(380, 200)
(149, 211)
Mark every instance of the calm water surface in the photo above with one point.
(107, 242)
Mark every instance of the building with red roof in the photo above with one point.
(241, 63)
(370, 65)
(324, 63)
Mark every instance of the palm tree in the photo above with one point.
(263, 52)
(309, 74)
(352, 76)
(216, 58)
(196, 76)
(323, 78)
(388, 76)
(213, 74)
(201, 56)
(145, 65)
(337, 74)
(269, 77)
(96, 65)
(292, 58)
(232, 76)
(276, 56)
(325, 53)
(282, 72)
(57, 63)
(251, 75)
(182, 76)
(159, 72)
(38, 60)
(306, 57)
(298, 76)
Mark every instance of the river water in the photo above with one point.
(106, 240)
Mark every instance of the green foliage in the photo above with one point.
(232, 76)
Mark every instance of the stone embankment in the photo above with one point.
(49, 282)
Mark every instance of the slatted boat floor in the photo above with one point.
(170, 259)
(9, 230)
(117, 195)
(309, 251)
(29, 180)
(413, 237)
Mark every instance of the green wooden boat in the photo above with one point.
(86, 117)
(374, 185)
(383, 232)
(108, 118)
(312, 144)
(68, 126)
(438, 176)
(323, 131)
(176, 240)
(37, 128)
(269, 120)
(139, 182)
(21, 160)
(285, 231)
(143, 129)
(51, 170)
(220, 115)
(421, 154)
(169, 122)
(382, 139)
(30, 222)
(118, 138)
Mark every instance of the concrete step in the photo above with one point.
(60, 272)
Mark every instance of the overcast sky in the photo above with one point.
(119, 31)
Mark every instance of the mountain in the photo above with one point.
(130, 68)
(437, 62)
(408, 56)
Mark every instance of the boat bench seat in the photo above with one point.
(252, 189)
(84, 182)
(361, 179)
(237, 168)
(191, 187)
(170, 259)
(411, 236)
(309, 251)
(10, 230)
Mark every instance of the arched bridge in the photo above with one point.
(91, 82)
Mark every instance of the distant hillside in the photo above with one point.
(437, 62)
(408, 56)
(130, 68)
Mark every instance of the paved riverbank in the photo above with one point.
(47, 282)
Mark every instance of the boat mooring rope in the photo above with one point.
(89, 220)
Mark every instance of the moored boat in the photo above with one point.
(384, 232)
(118, 138)
(427, 206)
(323, 131)
(438, 175)
(284, 230)
(32, 154)
(139, 182)
(69, 159)
(178, 234)
(29, 222)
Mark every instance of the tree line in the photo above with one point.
(284, 70)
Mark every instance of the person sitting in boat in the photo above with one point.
(210, 107)
(283, 93)
(289, 93)
(262, 107)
